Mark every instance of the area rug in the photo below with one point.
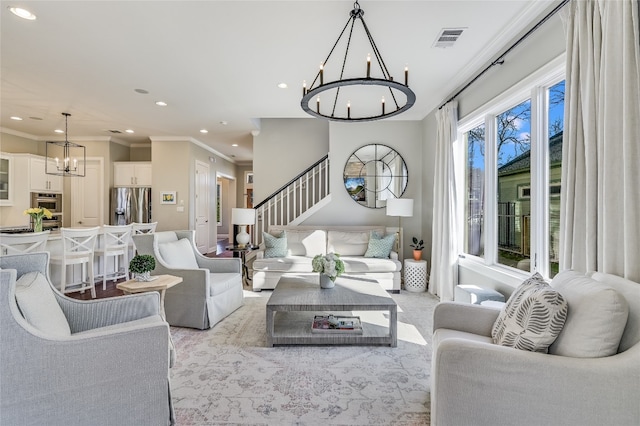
(228, 376)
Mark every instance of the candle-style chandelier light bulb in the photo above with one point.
(70, 153)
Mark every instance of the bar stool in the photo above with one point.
(23, 243)
(141, 228)
(78, 245)
(114, 243)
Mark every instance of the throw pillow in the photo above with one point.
(178, 254)
(596, 320)
(532, 318)
(380, 246)
(39, 306)
(276, 246)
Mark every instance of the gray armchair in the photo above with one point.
(477, 382)
(211, 288)
(111, 368)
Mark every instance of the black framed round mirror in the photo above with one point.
(373, 174)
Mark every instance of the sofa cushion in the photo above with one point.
(532, 318)
(596, 319)
(349, 243)
(276, 246)
(283, 264)
(178, 254)
(306, 243)
(39, 306)
(380, 245)
(356, 264)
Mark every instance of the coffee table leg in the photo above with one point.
(393, 326)
(270, 316)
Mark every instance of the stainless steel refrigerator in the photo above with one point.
(130, 205)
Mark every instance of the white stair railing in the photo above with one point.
(294, 199)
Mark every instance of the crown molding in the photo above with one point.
(193, 141)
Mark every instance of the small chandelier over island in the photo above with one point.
(65, 158)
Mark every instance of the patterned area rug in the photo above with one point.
(227, 375)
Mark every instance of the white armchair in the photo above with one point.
(211, 288)
(100, 362)
(477, 382)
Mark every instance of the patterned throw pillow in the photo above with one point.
(275, 246)
(380, 246)
(532, 317)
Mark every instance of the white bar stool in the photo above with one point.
(141, 228)
(23, 243)
(78, 245)
(114, 243)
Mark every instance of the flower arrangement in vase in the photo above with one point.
(418, 246)
(329, 266)
(141, 266)
(37, 213)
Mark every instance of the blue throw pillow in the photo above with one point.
(380, 246)
(275, 246)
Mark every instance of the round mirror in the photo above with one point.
(375, 173)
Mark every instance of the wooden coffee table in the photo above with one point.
(161, 284)
(296, 299)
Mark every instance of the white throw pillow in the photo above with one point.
(596, 320)
(348, 243)
(306, 243)
(532, 318)
(39, 306)
(178, 254)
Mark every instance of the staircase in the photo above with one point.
(295, 201)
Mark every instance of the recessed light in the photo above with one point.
(141, 91)
(282, 85)
(129, 131)
(59, 131)
(204, 131)
(15, 117)
(234, 144)
(161, 103)
(22, 13)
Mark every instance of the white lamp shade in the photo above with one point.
(243, 216)
(400, 207)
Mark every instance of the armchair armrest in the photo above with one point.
(85, 315)
(476, 380)
(393, 255)
(466, 317)
(219, 265)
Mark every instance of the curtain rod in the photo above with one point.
(500, 59)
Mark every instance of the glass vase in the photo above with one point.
(37, 224)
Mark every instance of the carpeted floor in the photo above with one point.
(227, 375)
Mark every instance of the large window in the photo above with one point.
(512, 165)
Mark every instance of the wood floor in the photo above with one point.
(112, 291)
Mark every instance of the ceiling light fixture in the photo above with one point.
(161, 103)
(129, 131)
(204, 131)
(74, 156)
(16, 118)
(22, 13)
(377, 86)
(282, 85)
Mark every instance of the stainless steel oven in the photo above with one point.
(51, 202)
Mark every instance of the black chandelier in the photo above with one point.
(376, 109)
(65, 158)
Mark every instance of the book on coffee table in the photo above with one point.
(336, 324)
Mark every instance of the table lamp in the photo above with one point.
(242, 218)
(401, 207)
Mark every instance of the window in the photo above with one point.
(512, 154)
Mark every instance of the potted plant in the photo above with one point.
(141, 266)
(36, 214)
(418, 246)
(330, 267)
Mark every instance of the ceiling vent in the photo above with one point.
(447, 37)
(115, 132)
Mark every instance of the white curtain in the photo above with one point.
(600, 203)
(444, 253)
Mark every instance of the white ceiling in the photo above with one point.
(221, 61)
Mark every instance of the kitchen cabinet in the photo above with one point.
(131, 173)
(39, 181)
(6, 180)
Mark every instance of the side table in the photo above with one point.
(161, 284)
(415, 275)
(243, 257)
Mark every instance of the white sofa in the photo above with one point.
(591, 375)
(304, 242)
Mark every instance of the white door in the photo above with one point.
(202, 207)
(88, 195)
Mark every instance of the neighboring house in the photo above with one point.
(514, 202)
